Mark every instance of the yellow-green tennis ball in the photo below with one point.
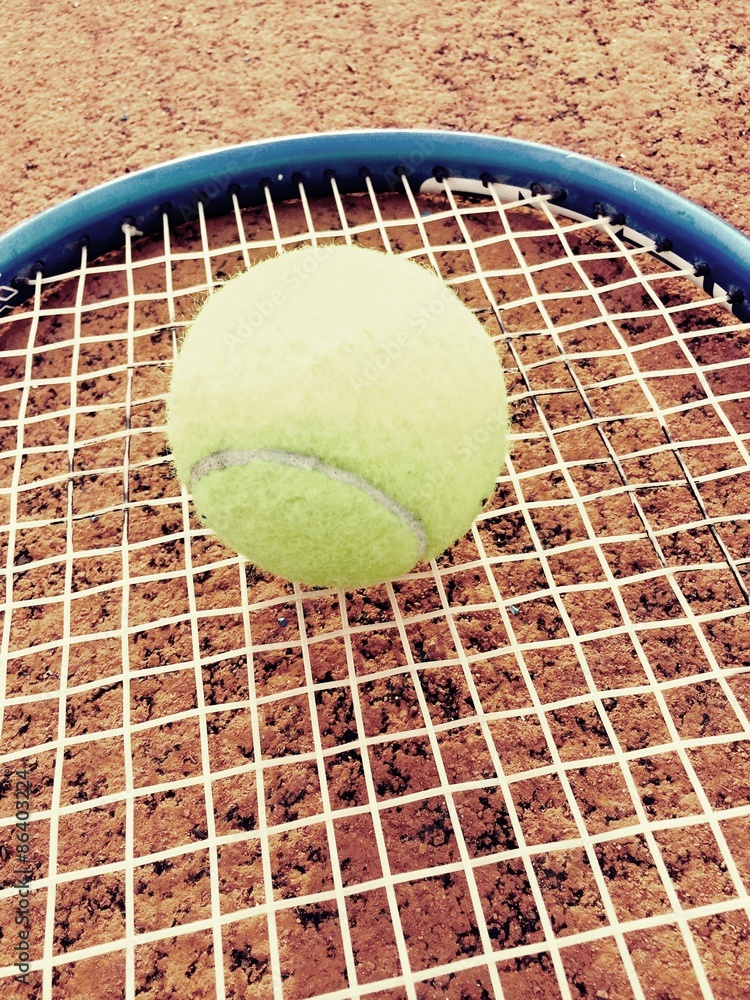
(338, 414)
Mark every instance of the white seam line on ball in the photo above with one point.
(233, 458)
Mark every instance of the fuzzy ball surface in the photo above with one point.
(338, 415)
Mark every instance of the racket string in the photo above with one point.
(410, 230)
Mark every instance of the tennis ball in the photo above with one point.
(338, 414)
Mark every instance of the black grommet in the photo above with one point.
(701, 269)
(439, 173)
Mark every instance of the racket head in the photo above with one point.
(550, 711)
(50, 241)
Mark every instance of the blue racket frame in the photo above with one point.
(51, 241)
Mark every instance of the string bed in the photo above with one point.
(521, 771)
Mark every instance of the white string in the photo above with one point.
(117, 328)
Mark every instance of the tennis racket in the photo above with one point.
(522, 770)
